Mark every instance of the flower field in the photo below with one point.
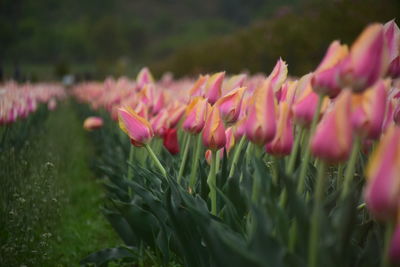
(240, 170)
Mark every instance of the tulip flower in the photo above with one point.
(144, 77)
(394, 250)
(369, 110)
(305, 103)
(170, 141)
(214, 132)
(175, 112)
(396, 115)
(52, 104)
(234, 82)
(283, 140)
(92, 123)
(230, 105)
(198, 87)
(326, 77)
(278, 75)
(392, 36)
(160, 123)
(261, 120)
(230, 140)
(239, 129)
(137, 128)
(332, 140)
(196, 113)
(208, 155)
(213, 87)
(394, 68)
(368, 59)
(382, 192)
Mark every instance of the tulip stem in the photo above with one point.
(385, 262)
(236, 156)
(316, 216)
(184, 157)
(339, 178)
(130, 160)
(293, 155)
(156, 161)
(349, 174)
(211, 181)
(192, 180)
(307, 152)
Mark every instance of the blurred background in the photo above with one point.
(90, 39)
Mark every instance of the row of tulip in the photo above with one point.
(18, 101)
(315, 132)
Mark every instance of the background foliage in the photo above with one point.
(46, 39)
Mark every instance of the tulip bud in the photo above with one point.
(283, 141)
(230, 105)
(368, 59)
(326, 77)
(394, 68)
(92, 123)
(369, 110)
(214, 132)
(239, 129)
(175, 112)
(170, 141)
(213, 87)
(305, 103)
(396, 115)
(234, 82)
(382, 193)
(394, 250)
(196, 113)
(278, 75)
(230, 140)
(261, 119)
(160, 123)
(198, 87)
(137, 128)
(52, 104)
(392, 36)
(332, 139)
(208, 156)
(144, 77)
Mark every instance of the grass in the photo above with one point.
(49, 199)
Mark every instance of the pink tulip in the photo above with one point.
(369, 110)
(137, 128)
(175, 113)
(326, 76)
(278, 75)
(332, 140)
(198, 87)
(230, 105)
(392, 36)
(92, 123)
(196, 113)
(283, 141)
(261, 120)
(239, 129)
(234, 82)
(144, 77)
(214, 132)
(213, 87)
(160, 123)
(368, 59)
(305, 103)
(230, 140)
(382, 193)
